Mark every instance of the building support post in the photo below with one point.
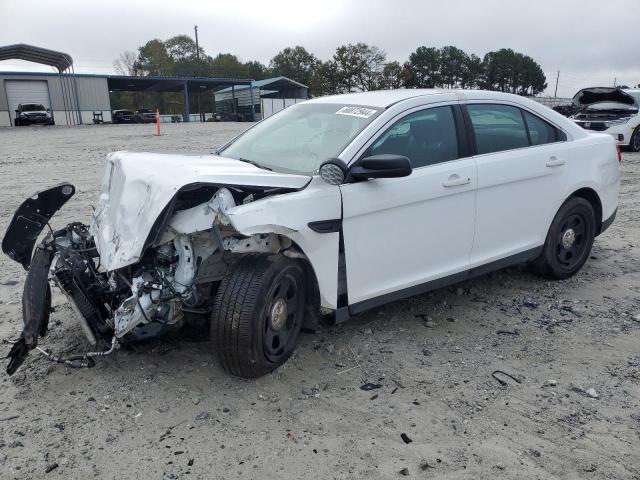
(253, 107)
(75, 88)
(185, 115)
(233, 103)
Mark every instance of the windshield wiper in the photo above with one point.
(255, 164)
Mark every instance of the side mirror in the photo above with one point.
(333, 171)
(382, 166)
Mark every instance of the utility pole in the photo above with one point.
(555, 94)
(615, 79)
(195, 28)
(197, 47)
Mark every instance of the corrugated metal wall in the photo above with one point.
(93, 91)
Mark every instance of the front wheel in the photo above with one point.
(257, 314)
(569, 240)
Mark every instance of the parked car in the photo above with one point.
(341, 203)
(122, 116)
(144, 115)
(33, 114)
(566, 109)
(610, 110)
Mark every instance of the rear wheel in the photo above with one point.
(634, 144)
(257, 314)
(569, 240)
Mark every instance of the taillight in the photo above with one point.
(619, 149)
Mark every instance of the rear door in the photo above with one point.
(403, 233)
(521, 168)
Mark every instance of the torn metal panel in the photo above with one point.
(137, 187)
(289, 216)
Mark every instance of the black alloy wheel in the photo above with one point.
(569, 240)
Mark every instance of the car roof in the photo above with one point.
(377, 98)
(387, 98)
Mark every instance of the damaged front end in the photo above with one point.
(147, 264)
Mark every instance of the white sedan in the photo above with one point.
(338, 204)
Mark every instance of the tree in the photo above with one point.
(125, 64)
(472, 73)
(256, 70)
(295, 63)
(153, 59)
(393, 75)
(509, 71)
(358, 66)
(423, 68)
(183, 47)
(453, 63)
(374, 60)
(228, 65)
(324, 79)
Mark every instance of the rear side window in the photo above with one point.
(497, 127)
(426, 137)
(540, 131)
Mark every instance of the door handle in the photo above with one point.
(554, 162)
(456, 180)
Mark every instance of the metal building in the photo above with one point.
(49, 90)
(267, 96)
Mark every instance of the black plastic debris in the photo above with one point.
(370, 386)
(51, 467)
(503, 382)
(405, 438)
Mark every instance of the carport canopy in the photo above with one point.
(59, 60)
(44, 56)
(124, 83)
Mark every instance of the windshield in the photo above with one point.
(32, 107)
(299, 138)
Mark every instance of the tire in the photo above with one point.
(257, 314)
(569, 240)
(634, 143)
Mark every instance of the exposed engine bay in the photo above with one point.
(188, 250)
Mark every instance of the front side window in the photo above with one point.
(497, 127)
(426, 137)
(300, 137)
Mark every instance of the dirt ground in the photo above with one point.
(165, 409)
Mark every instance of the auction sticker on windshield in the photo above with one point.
(356, 112)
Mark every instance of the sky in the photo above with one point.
(591, 42)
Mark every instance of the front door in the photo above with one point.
(403, 233)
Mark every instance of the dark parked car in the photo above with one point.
(33, 113)
(144, 115)
(122, 116)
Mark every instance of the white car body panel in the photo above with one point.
(290, 215)
(136, 187)
(398, 233)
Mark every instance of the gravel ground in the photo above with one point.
(165, 409)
